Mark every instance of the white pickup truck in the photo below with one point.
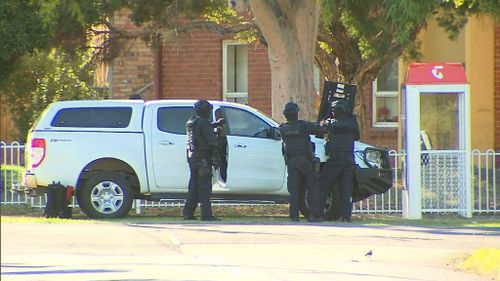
(113, 151)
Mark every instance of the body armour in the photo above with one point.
(342, 133)
(201, 139)
(296, 139)
(191, 139)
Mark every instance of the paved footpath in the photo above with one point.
(113, 251)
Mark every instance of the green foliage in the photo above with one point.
(45, 52)
(28, 26)
(44, 77)
(22, 30)
(379, 31)
(372, 28)
(483, 261)
(243, 28)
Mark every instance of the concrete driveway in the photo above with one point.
(82, 250)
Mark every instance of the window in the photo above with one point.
(235, 71)
(173, 119)
(243, 123)
(93, 117)
(385, 96)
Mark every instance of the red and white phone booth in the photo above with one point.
(435, 122)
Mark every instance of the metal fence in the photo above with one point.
(486, 177)
(11, 171)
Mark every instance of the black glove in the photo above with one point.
(220, 122)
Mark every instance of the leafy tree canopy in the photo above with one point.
(28, 26)
(47, 47)
(46, 76)
(355, 38)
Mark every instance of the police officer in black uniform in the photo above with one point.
(343, 130)
(201, 145)
(297, 151)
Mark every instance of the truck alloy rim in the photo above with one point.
(107, 197)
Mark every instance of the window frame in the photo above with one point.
(225, 94)
(384, 94)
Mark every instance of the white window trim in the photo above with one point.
(225, 94)
(381, 94)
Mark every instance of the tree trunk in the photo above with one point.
(290, 28)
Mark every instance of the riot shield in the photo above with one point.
(333, 91)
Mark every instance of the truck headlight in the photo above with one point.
(373, 158)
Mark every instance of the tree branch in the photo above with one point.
(221, 29)
(268, 23)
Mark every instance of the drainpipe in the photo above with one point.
(157, 70)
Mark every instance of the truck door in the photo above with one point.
(254, 158)
(168, 147)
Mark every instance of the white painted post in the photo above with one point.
(137, 204)
(468, 162)
(412, 197)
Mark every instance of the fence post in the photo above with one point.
(137, 203)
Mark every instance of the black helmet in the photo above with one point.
(290, 108)
(340, 105)
(203, 108)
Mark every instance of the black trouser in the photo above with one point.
(341, 172)
(223, 167)
(301, 176)
(199, 189)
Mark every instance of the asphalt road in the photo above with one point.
(113, 251)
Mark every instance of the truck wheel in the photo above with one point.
(106, 195)
(332, 206)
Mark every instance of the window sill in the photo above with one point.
(383, 131)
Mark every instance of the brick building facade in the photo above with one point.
(192, 67)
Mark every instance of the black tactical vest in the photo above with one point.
(295, 138)
(342, 135)
(191, 136)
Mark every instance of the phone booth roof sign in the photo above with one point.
(435, 73)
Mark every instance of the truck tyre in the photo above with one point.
(332, 206)
(106, 195)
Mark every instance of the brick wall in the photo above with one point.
(381, 137)
(132, 71)
(192, 68)
(497, 87)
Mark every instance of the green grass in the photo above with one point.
(11, 172)
(15, 168)
(267, 214)
(485, 261)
